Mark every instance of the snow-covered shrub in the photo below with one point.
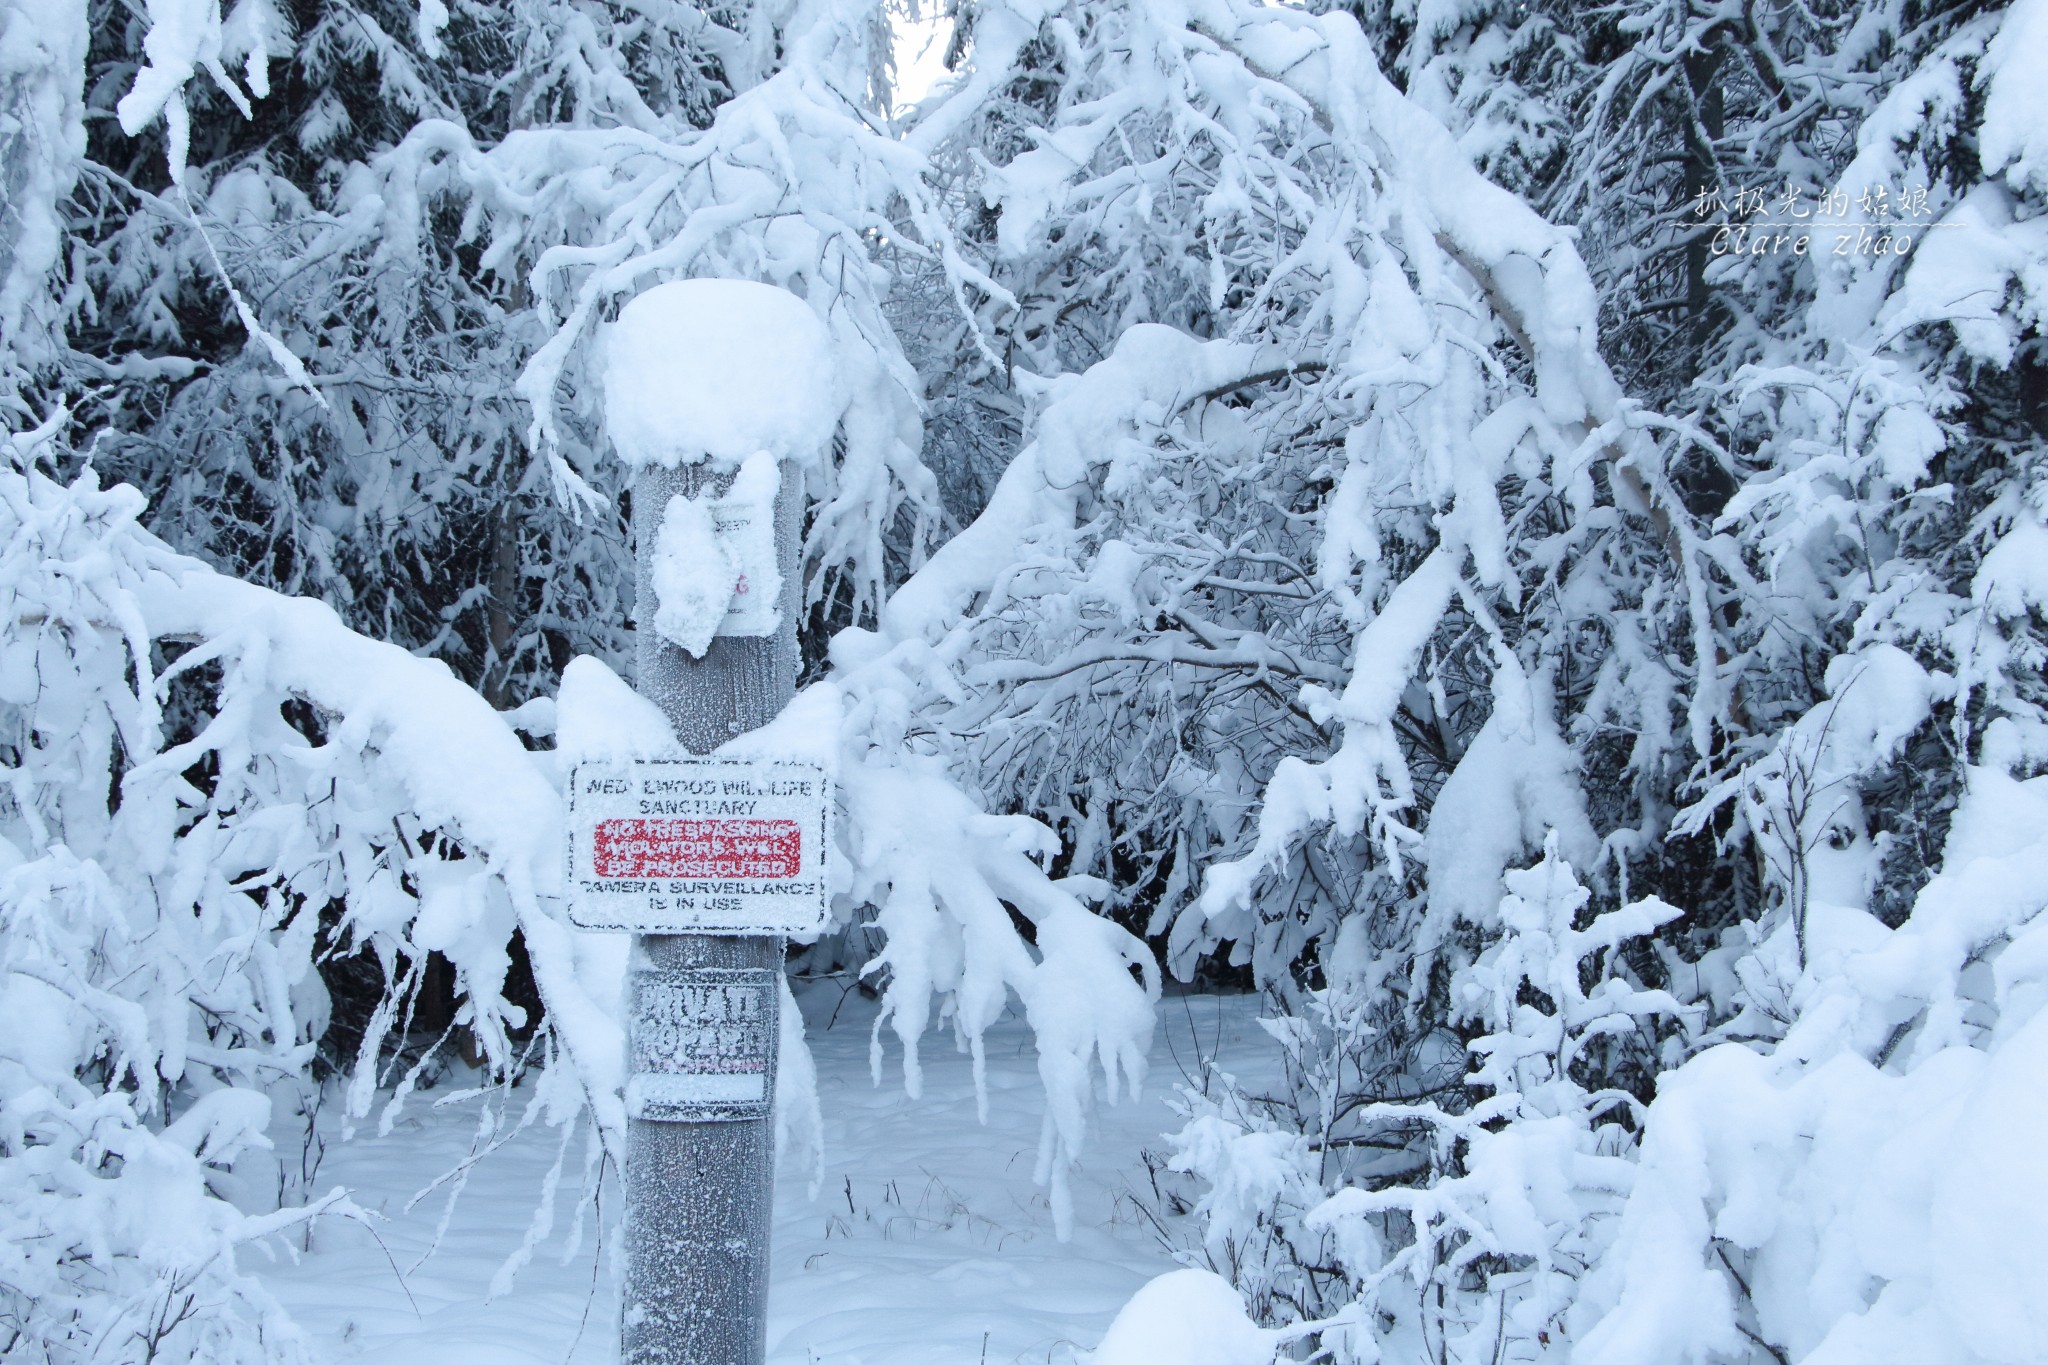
(1524, 1153)
(1187, 1316)
(1869, 1189)
(207, 785)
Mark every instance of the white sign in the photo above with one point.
(697, 846)
(702, 1045)
(744, 519)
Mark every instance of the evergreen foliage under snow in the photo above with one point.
(1519, 531)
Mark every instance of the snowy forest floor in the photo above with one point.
(926, 1242)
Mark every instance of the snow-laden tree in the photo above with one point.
(1891, 440)
(1308, 604)
(1499, 75)
(42, 67)
(1304, 615)
(370, 451)
(209, 786)
(1588, 675)
(1293, 568)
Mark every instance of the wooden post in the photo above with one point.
(699, 1195)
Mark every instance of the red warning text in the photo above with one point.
(759, 849)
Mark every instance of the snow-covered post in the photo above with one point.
(715, 390)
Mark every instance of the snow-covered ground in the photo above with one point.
(926, 1241)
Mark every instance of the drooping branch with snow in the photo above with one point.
(209, 788)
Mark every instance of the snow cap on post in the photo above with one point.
(717, 370)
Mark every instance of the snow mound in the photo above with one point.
(1189, 1317)
(599, 716)
(2015, 81)
(716, 370)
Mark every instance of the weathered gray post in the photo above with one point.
(699, 1196)
(709, 385)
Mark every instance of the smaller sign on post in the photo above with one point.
(697, 846)
(744, 519)
(703, 1046)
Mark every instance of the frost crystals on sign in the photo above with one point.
(698, 846)
(703, 1044)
